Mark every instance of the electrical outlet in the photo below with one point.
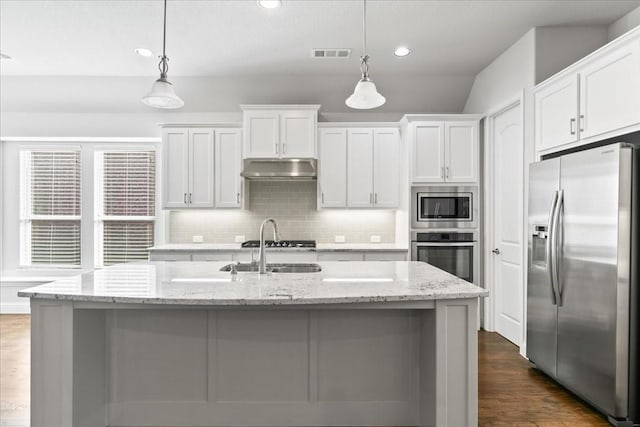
(338, 238)
(239, 238)
(374, 238)
(198, 239)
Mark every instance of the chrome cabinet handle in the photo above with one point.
(284, 148)
(496, 251)
(572, 126)
(190, 198)
(447, 174)
(375, 200)
(237, 197)
(370, 198)
(322, 197)
(185, 198)
(277, 149)
(442, 172)
(581, 122)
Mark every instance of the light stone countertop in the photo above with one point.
(201, 283)
(321, 247)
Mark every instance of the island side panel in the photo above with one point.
(67, 365)
(456, 352)
(265, 367)
(51, 363)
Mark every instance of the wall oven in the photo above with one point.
(444, 207)
(454, 252)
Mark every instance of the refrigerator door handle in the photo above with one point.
(550, 254)
(557, 245)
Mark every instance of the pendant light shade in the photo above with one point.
(365, 96)
(162, 94)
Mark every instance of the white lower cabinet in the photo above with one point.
(201, 168)
(276, 256)
(358, 168)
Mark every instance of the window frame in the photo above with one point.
(25, 216)
(98, 196)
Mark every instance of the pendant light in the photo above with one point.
(365, 96)
(162, 94)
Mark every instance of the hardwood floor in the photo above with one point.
(511, 393)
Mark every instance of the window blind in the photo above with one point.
(129, 205)
(54, 207)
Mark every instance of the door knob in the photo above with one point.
(496, 251)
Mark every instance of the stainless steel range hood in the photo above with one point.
(279, 169)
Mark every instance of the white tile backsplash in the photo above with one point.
(293, 204)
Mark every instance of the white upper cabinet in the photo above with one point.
(228, 183)
(360, 168)
(332, 168)
(201, 168)
(279, 132)
(461, 151)
(610, 91)
(428, 152)
(298, 129)
(175, 167)
(556, 113)
(386, 162)
(596, 98)
(445, 151)
(262, 134)
(201, 158)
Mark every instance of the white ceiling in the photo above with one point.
(224, 38)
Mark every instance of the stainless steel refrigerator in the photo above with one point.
(582, 291)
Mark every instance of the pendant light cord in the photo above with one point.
(364, 64)
(163, 65)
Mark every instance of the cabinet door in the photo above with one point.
(176, 168)
(360, 168)
(461, 152)
(298, 135)
(228, 161)
(333, 168)
(556, 113)
(201, 166)
(610, 91)
(428, 152)
(386, 183)
(261, 134)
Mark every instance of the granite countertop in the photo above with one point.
(321, 247)
(201, 283)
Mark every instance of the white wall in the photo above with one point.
(505, 77)
(624, 24)
(559, 47)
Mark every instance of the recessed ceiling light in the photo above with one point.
(269, 4)
(5, 57)
(402, 51)
(143, 52)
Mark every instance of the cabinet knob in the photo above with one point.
(496, 251)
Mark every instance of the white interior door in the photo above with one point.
(506, 255)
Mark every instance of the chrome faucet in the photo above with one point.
(262, 261)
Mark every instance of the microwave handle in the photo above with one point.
(451, 244)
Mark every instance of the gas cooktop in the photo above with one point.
(281, 244)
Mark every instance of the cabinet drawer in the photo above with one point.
(340, 256)
(385, 256)
(214, 256)
(169, 256)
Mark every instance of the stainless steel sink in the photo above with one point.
(273, 268)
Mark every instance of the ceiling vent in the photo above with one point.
(332, 53)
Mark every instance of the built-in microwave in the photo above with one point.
(444, 207)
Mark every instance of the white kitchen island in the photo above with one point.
(183, 344)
